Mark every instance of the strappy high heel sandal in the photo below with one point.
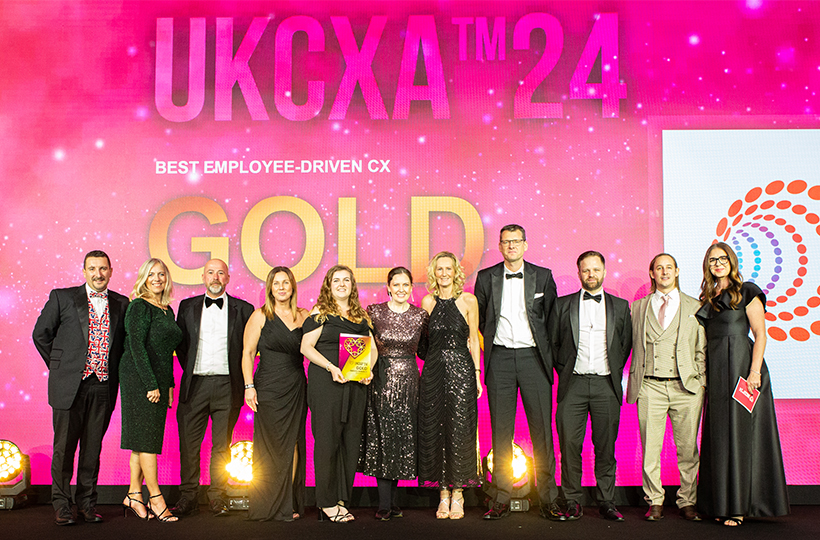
(338, 517)
(457, 506)
(162, 517)
(130, 506)
(443, 510)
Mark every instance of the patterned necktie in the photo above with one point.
(99, 294)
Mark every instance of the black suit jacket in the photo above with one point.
(540, 297)
(618, 340)
(61, 337)
(189, 319)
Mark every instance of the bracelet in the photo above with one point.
(327, 367)
(755, 372)
(248, 386)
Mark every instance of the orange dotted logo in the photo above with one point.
(771, 230)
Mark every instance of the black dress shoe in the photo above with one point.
(185, 507)
(573, 511)
(383, 515)
(395, 512)
(689, 513)
(90, 515)
(552, 512)
(63, 516)
(219, 508)
(498, 511)
(611, 513)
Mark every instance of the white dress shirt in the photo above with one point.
(513, 330)
(212, 352)
(592, 357)
(671, 307)
(98, 303)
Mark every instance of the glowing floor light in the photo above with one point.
(240, 472)
(15, 476)
(522, 475)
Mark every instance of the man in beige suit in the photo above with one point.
(667, 378)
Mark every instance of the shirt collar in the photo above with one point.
(674, 294)
(89, 290)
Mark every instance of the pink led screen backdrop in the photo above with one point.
(378, 133)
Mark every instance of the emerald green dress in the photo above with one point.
(151, 335)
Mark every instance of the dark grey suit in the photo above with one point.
(214, 397)
(81, 408)
(528, 369)
(596, 397)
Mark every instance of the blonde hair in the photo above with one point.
(327, 305)
(270, 301)
(458, 278)
(708, 287)
(141, 289)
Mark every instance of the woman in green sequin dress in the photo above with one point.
(147, 384)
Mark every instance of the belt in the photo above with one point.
(662, 379)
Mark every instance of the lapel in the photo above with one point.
(232, 314)
(529, 288)
(81, 303)
(113, 314)
(574, 308)
(644, 314)
(194, 323)
(497, 288)
(610, 322)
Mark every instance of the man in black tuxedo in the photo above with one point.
(516, 302)
(80, 334)
(212, 386)
(593, 338)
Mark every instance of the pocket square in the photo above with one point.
(538, 295)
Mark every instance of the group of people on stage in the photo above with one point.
(688, 357)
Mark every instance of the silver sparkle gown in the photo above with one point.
(393, 396)
(448, 411)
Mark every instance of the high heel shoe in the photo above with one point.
(338, 517)
(162, 517)
(130, 506)
(457, 506)
(443, 510)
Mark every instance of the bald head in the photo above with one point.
(215, 276)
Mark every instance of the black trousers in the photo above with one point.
(209, 398)
(85, 423)
(511, 370)
(588, 396)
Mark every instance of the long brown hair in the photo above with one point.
(708, 287)
(654, 286)
(327, 305)
(270, 301)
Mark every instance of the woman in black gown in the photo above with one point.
(450, 386)
(389, 453)
(147, 384)
(336, 405)
(741, 465)
(277, 396)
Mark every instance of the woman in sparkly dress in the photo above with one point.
(400, 331)
(741, 464)
(450, 386)
(277, 396)
(336, 404)
(147, 383)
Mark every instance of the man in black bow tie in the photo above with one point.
(212, 386)
(593, 338)
(516, 304)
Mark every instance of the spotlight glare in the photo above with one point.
(11, 461)
(240, 469)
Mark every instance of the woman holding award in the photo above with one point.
(741, 465)
(400, 331)
(337, 330)
(450, 386)
(277, 394)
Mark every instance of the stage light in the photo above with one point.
(15, 476)
(522, 475)
(240, 473)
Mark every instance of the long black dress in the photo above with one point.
(151, 335)
(279, 425)
(448, 411)
(336, 414)
(393, 396)
(741, 465)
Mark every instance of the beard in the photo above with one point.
(216, 288)
(592, 286)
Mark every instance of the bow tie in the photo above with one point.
(210, 301)
(517, 275)
(98, 294)
(596, 297)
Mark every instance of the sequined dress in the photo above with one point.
(279, 425)
(151, 335)
(448, 410)
(393, 396)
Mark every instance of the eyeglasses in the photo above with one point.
(513, 242)
(723, 259)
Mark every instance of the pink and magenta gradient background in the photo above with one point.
(81, 134)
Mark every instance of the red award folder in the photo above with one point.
(742, 395)
(354, 356)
